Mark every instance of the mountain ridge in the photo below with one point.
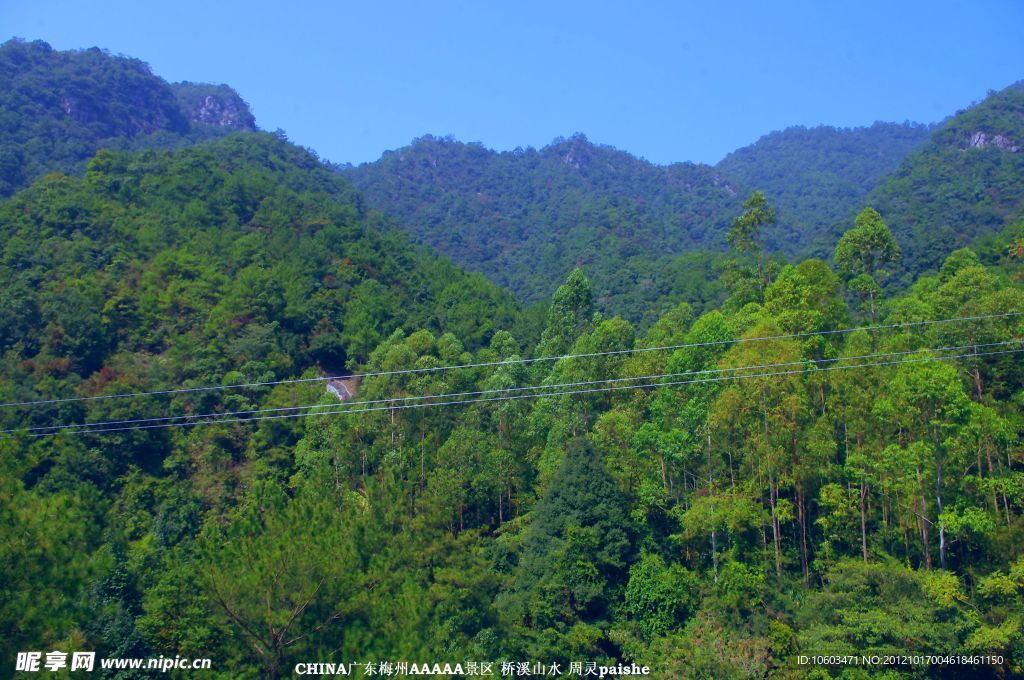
(576, 203)
(58, 108)
(527, 217)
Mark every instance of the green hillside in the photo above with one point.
(526, 218)
(965, 183)
(246, 252)
(819, 177)
(861, 497)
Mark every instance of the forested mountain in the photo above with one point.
(774, 486)
(526, 218)
(241, 255)
(58, 108)
(820, 177)
(965, 183)
(710, 491)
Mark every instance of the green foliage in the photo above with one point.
(746, 233)
(660, 597)
(49, 554)
(806, 299)
(884, 609)
(285, 255)
(708, 527)
(575, 551)
(282, 571)
(860, 254)
(526, 218)
(867, 247)
(570, 312)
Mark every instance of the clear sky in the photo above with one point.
(669, 81)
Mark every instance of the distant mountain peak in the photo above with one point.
(60, 107)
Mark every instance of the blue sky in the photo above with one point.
(669, 81)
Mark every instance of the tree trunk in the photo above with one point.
(924, 543)
(772, 494)
(938, 500)
(800, 501)
(863, 521)
(923, 524)
(978, 384)
(711, 493)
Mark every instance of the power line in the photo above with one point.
(392, 400)
(512, 397)
(499, 390)
(432, 369)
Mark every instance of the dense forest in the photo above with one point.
(768, 458)
(526, 218)
(822, 175)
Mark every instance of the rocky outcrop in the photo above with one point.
(980, 140)
(343, 388)
(217, 105)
